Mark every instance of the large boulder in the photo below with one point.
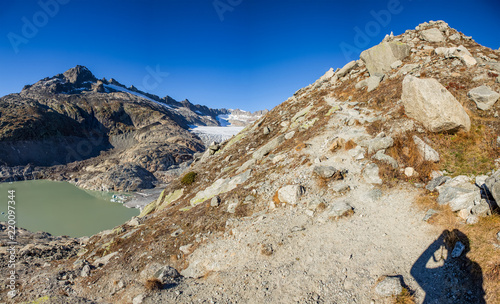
(379, 58)
(432, 35)
(431, 104)
(493, 185)
(459, 52)
(484, 97)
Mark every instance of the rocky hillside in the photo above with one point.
(375, 184)
(97, 133)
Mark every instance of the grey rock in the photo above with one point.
(396, 64)
(215, 201)
(177, 232)
(232, 205)
(105, 259)
(458, 198)
(338, 209)
(138, 299)
(371, 83)
(328, 172)
(85, 271)
(379, 58)
(484, 97)
(481, 180)
(386, 159)
(458, 250)
(166, 273)
(428, 102)
(389, 286)
(315, 202)
(291, 194)
(370, 174)
(436, 182)
(460, 52)
(266, 130)
(377, 143)
(267, 148)
(472, 219)
(427, 152)
(346, 69)
(498, 236)
(432, 35)
(340, 187)
(375, 194)
(493, 185)
(429, 214)
(481, 208)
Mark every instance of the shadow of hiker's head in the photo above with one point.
(450, 239)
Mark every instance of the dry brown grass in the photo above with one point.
(467, 152)
(405, 152)
(405, 297)
(350, 144)
(482, 237)
(153, 284)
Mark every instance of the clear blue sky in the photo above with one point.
(249, 54)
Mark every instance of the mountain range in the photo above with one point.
(100, 134)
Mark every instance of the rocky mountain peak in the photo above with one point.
(78, 75)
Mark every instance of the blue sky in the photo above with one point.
(248, 54)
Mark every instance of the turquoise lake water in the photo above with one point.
(61, 208)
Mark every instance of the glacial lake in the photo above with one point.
(61, 208)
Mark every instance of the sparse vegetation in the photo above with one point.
(189, 178)
(406, 297)
(153, 284)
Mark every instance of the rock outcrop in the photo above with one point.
(379, 58)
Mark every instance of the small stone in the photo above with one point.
(266, 249)
(177, 232)
(409, 171)
(215, 201)
(266, 130)
(232, 205)
(481, 209)
(436, 182)
(138, 299)
(427, 152)
(498, 236)
(186, 249)
(121, 284)
(166, 273)
(291, 194)
(429, 214)
(339, 209)
(297, 229)
(396, 64)
(328, 172)
(289, 135)
(458, 250)
(85, 271)
(389, 286)
(472, 219)
(370, 174)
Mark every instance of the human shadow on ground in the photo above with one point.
(448, 279)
